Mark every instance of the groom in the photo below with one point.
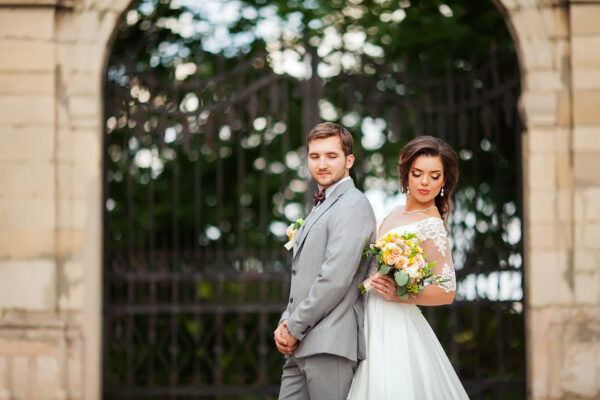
(321, 330)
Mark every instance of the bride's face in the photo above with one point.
(426, 178)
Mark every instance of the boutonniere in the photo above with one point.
(291, 232)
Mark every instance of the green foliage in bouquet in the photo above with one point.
(403, 259)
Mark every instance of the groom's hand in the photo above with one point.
(286, 343)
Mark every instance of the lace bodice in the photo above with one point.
(434, 240)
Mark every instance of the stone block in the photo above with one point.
(27, 83)
(540, 108)
(538, 350)
(14, 343)
(84, 107)
(27, 23)
(554, 20)
(71, 286)
(25, 143)
(21, 389)
(587, 235)
(544, 80)
(75, 378)
(4, 379)
(510, 5)
(564, 114)
(580, 370)
(24, 180)
(86, 57)
(549, 236)
(22, 243)
(537, 54)
(74, 179)
(587, 204)
(587, 287)
(563, 139)
(541, 171)
(586, 138)
(28, 284)
(587, 260)
(586, 50)
(585, 171)
(69, 241)
(525, 4)
(541, 140)
(87, 25)
(586, 107)
(586, 78)
(528, 23)
(564, 206)
(564, 173)
(72, 215)
(77, 145)
(49, 378)
(549, 269)
(91, 25)
(584, 18)
(79, 83)
(544, 140)
(27, 213)
(24, 110)
(542, 207)
(24, 54)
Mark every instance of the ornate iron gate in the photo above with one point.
(202, 174)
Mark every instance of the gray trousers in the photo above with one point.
(318, 377)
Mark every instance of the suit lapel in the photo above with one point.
(316, 213)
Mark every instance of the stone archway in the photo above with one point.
(550, 53)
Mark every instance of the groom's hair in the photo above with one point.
(328, 129)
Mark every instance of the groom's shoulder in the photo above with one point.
(353, 197)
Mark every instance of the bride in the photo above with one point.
(404, 357)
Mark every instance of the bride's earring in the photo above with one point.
(407, 190)
(442, 193)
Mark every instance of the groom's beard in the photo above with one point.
(326, 178)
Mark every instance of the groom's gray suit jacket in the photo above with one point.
(325, 309)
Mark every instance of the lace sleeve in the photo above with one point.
(434, 241)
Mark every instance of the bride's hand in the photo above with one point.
(386, 287)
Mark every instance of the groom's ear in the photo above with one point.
(349, 161)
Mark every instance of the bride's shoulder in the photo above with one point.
(390, 219)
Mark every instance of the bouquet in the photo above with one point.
(403, 259)
(291, 232)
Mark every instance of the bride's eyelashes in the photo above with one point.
(434, 177)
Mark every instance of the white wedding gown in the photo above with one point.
(405, 360)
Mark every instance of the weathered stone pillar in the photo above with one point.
(51, 73)
(559, 50)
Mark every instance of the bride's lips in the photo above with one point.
(423, 192)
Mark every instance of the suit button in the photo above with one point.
(293, 272)
(291, 299)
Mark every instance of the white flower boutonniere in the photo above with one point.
(291, 232)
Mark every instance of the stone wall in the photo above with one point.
(51, 71)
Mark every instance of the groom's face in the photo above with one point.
(326, 161)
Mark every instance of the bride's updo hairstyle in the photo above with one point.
(431, 146)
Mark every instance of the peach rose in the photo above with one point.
(402, 262)
(392, 259)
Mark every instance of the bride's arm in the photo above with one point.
(437, 249)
